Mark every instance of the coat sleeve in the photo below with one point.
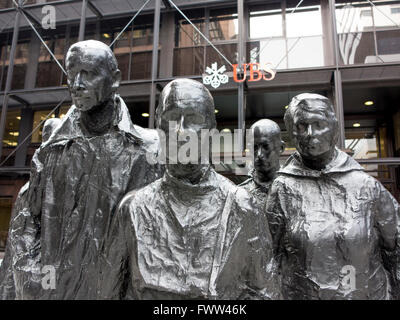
(388, 224)
(114, 269)
(263, 279)
(276, 218)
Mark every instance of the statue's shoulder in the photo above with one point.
(149, 137)
(141, 196)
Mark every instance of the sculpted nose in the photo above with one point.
(78, 84)
(310, 131)
(259, 154)
(181, 128)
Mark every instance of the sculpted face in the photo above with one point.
(268, 146)
(92, 76)
(314, 133)
(186, 107)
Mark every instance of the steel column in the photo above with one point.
(9, 79)
(83, 21)
(241, 60)
(154, 63)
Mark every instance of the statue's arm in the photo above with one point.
(114, 269)
(388, 225)
(276, 218)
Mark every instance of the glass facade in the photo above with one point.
(5, 215)
(293, 39)
(368, 33)
(286, 39)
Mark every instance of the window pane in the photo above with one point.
(20, 63)
(384, 17)
(303, 23)
(223, 27)
(188, 61)
(305, 52)
(49, 73)
(357, 48)
(228, 50)
(264, 24)
(39, 116)
(5, 216)
(63, 111)
(388, 45)
(357, 18)
(12, 128)
(141, 65)
(188, 36)
(271, 51)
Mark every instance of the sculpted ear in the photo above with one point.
(283, 146)
(117, 79)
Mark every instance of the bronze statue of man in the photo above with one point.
(95, 156)
(7, 286)
(336, 229)
(191, 234)
(268, 146)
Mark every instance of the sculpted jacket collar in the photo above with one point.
(205, 185)
(70, 127)
(264, 187)
(340, 164)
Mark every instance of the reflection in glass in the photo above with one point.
(224, 27)
(385, 17)
(188, 36)
(49, 73)
(188, 61)
(122, 53)
(357, 48)
(351, 18)
(141, 65)
(228, 50)
(20, 64)
(362, 145)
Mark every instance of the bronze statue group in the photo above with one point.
(115, 226)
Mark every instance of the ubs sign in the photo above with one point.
(215, 76)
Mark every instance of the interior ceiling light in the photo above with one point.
(356, 125)
(369, 103)
(145, 114)
(216, 111)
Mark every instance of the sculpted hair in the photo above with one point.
(172, 86)
(108, 57)
(301, 102)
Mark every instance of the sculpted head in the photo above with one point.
(268, 146)
(48, 128)
(312, 125)
(185, 108)
(92, 73)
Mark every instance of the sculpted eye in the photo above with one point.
(301, 127)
